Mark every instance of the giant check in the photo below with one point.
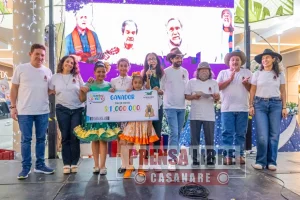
(122, 106)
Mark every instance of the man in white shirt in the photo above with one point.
(234, 84)
(30, 104)
(173, 84)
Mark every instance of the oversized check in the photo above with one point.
(122, 106)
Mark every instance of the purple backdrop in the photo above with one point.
(189, 63)
(73, 5)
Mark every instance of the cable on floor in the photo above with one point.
(270, 175)
(194, 191)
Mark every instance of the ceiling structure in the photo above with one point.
(282, 34)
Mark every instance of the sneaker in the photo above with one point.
(227, 161)
(96, 170)
(24, 174)
(257, 166)
(272, 167)
(241, 160)
(103, 171)
(44, 170)
(196, 164)
(121, 170)
(210, 163)
(66, 169)
(172, 168)
(74, 168)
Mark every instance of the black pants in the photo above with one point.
(157, 125)
(68, 119)
(208, 128)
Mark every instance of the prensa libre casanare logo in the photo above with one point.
(96, 98)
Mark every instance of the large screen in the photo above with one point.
(110, 31)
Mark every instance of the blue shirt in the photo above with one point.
(84, 42)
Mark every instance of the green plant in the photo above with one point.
(259, 11)
(292, 108)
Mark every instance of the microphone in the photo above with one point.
(150, 68)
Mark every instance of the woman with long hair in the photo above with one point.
(152, 74)
(268, 105)
(66, 84)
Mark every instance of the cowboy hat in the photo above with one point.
(238, 53)
(174, 52)
(267, 52)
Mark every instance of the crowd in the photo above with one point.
(242, 93)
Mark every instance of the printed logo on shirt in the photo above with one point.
(183, 77)
(209, 89)
(74, 81)
(274, 77)
(45, 78)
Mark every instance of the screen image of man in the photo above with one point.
(226, 35)
(82, 42)
(129, 31)
(128, 45)
(174, 29)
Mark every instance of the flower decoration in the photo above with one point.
(292, 108)
(136, 74)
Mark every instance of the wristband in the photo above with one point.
(11, 107)
(283, 108)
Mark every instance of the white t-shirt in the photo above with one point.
(267, 83)
(235, 97)
(33, 84)
(121, 83)
(203, 108)
(67, 90)
(173, 84)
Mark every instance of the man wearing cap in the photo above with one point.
(173, 84)
(202, 91)
(234, 84)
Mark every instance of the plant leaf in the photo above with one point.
(291, 7)
(266, 12)
(257, 9)
(238, 20)
(279, 11)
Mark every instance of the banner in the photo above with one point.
(122, 106)
(109, 30)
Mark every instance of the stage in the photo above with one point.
(85, 185)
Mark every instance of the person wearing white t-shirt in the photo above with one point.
(202, 91)
(30, 104)
(66, 84)
(173, 85)
(122, 83)
(234, 84)
(268, 105)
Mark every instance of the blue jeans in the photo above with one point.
(267, 119)
(234, 127)
(41, 125)
(175, 118)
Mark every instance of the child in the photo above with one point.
(202, 91)
(122, 83)
(90, 132)
(140, 132)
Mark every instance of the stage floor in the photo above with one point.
(85, 185)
